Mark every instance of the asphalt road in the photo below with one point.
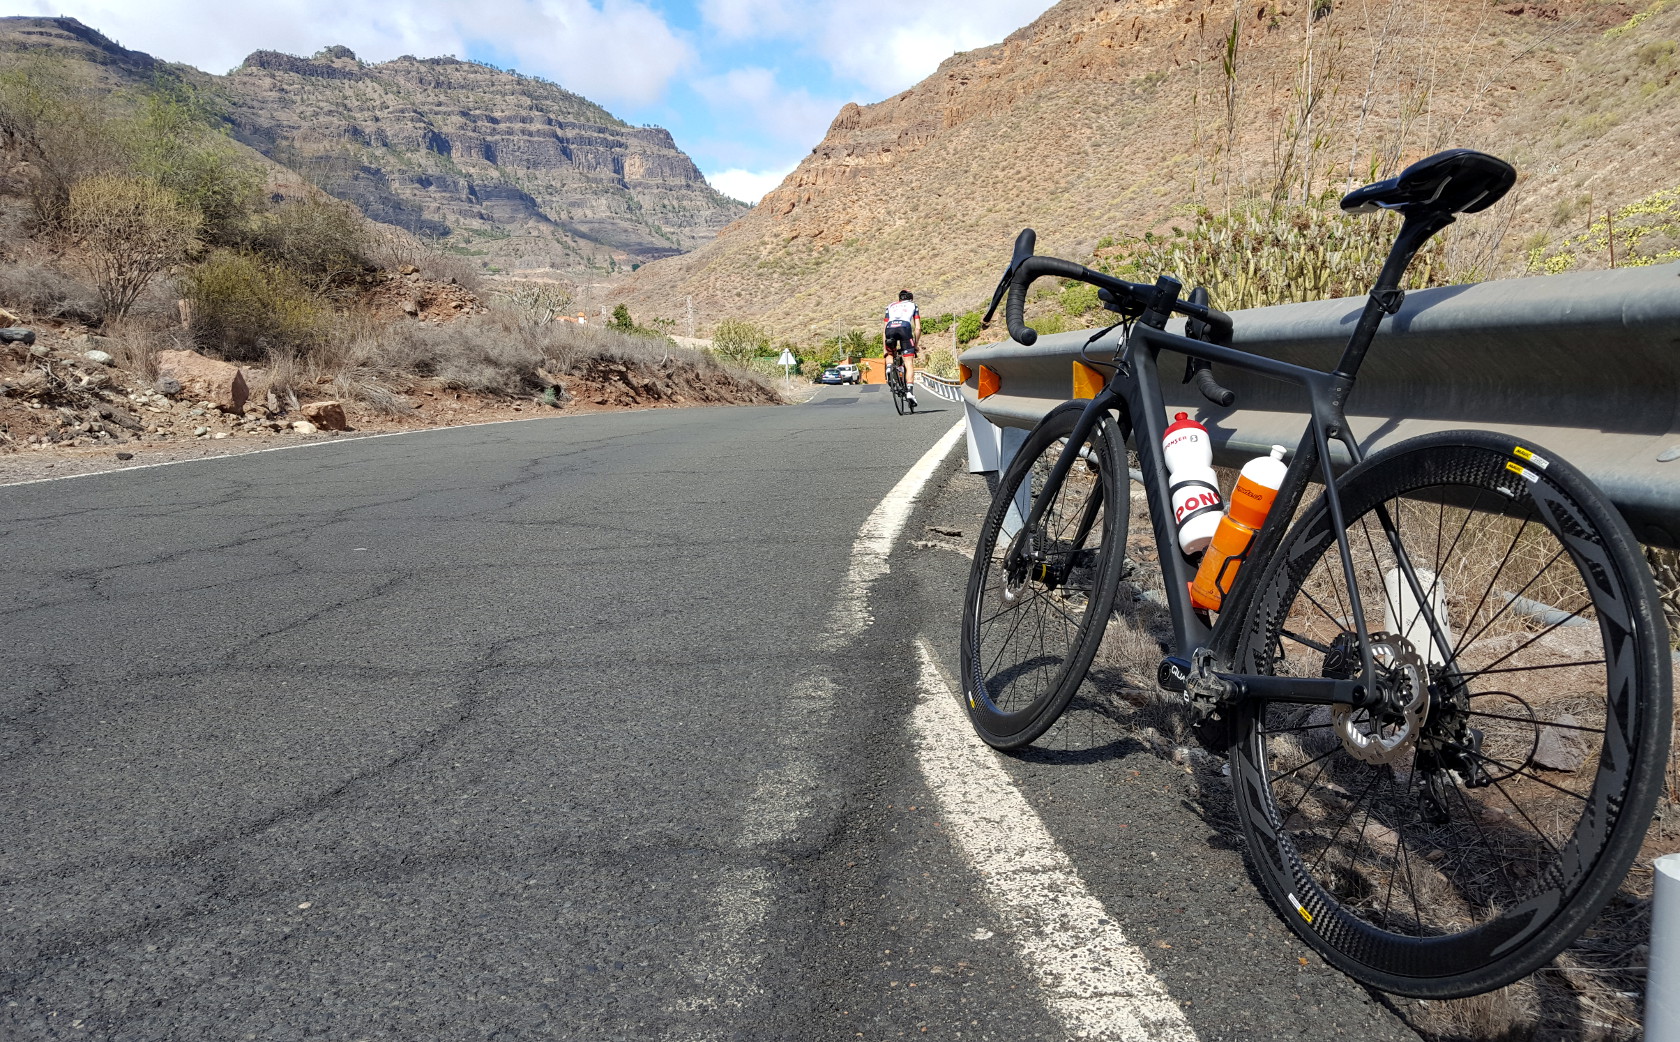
(566, 728)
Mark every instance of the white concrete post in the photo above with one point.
(1662, 975)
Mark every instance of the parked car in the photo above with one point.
(845, 373)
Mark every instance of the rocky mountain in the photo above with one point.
(510, 169)
(1104, 117)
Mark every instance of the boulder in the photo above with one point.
(303, 427)
(329, 416)
(1560, 748)
(214, 381)
(99, 357)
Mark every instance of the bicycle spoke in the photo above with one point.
(1518, 770)
(1536, 723)
(1527, 669)
(1471, 618)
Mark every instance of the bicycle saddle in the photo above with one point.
(1458, 180)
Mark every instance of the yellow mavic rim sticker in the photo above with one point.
(1531, 456)
(1304, 913)
(1518, 468)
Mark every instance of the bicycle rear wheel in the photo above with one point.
(1029, 632)
(895, 383)
(1463, 835)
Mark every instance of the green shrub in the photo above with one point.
(244, 308)
(942, 324)
(1051, 323)
(63, 132)
(738, 341)
(174, 139)
(968, 327)
(940, 362)
(1640, 233)
(1079, 298)
(621, 319)
(322, 241)
(129, 229)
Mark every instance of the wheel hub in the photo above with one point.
(1386, 735)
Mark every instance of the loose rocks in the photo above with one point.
(206, 378)
(328, 416)
(1560, 747)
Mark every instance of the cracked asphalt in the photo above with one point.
(529, 731)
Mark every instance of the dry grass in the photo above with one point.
(44, 293)
(498, 354)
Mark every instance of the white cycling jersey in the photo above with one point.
(901, 311)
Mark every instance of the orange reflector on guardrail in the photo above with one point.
(967, 373)
(989, 382)
(1087, 381)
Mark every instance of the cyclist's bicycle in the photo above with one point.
(896, 384)
(1443, 685)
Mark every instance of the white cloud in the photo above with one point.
(886, 45)
(611, 51)
(752, 95)
(745, 185)
(749, 19)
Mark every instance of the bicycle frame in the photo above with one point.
(1135, 392)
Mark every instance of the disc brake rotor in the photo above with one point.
(1404, 681)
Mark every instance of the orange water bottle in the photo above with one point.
(1251, 500)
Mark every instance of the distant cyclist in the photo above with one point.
(903, 332)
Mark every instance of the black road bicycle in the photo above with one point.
(895, 383)
(1443, 685)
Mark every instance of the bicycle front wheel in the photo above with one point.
(1031, 628)
(1462, 835)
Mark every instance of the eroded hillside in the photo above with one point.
(1103, 117)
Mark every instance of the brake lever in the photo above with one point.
(1024, 246)
(997, 296)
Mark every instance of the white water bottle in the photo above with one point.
(1195, 488)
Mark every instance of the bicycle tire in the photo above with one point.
(895, 383)
(1490, 844)
(1015, 690)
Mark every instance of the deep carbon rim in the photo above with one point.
(1493, 920)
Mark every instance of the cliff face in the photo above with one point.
(509, 169)
(1104, 117)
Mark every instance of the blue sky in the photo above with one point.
(748, 87)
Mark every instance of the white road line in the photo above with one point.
(875, 542)
(1094, 980)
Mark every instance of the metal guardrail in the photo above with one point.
(950, 390)
(1586, 365)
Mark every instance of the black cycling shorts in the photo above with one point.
(899, 332)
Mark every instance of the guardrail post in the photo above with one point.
(1662, 973)
(990, 449)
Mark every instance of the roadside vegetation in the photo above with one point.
(133, 216)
